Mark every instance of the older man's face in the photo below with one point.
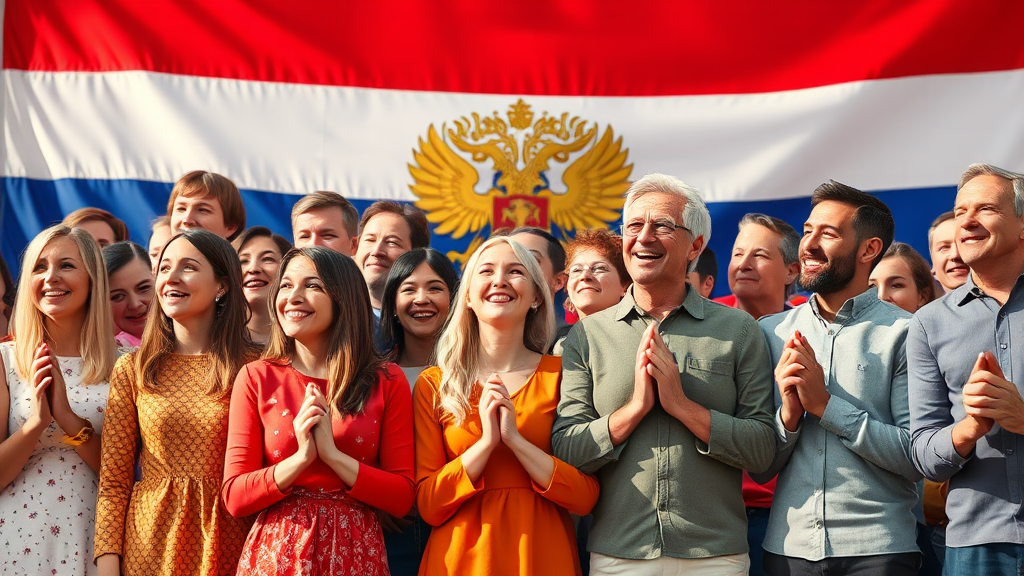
(988, 229)
(654, 258)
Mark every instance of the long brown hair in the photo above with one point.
(353, 363)
(230, 345)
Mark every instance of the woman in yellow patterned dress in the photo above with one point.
(171, 399)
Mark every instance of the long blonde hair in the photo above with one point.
(96, 342)
(458, 348)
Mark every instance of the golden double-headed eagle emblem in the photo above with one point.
(520, 151)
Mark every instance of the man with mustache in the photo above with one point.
(967, 415)
(666, 397)
(846, 488)
(947, 266)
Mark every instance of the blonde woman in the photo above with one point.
(54, 394)
(486, 479)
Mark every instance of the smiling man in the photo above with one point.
(846, 488)
(386, 231)
(967, 415)
(947, 266)
(327, 219)
(666, 397)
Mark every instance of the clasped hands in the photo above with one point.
(656, 376)
(50, 394)
(989, 398)
(497, 414)
(801, 382)
(312, 425)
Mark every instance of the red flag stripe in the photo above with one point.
(568, 47)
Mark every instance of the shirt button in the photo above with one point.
(820, 452)
(831, 332)
(1002, 346)
(819, 524)
(1010, 451)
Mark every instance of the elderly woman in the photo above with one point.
(597, 275)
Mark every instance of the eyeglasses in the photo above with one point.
(597, 269)
(662, 228)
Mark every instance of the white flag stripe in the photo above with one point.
(877, 135)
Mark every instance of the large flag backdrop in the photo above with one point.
(489, 114)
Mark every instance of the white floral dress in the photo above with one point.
(48, 512)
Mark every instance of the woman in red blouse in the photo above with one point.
(320, 430)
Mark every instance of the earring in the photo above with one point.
(534, 306)
(217, 299)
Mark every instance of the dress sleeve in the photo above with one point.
(120, 444)
(390, 487)
(571, 489)
(442, 485)
(248, 486)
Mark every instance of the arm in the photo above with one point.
(117, 474)
(70, 422)
(442, 485)
(16, 449)
(884, 445)
(249, 486)
(390, 487)
(582, 437)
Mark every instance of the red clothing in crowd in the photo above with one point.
(260, 434)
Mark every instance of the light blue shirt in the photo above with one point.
(846, 481)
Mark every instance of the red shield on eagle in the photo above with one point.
(517, 210)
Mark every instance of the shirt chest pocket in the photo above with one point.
(711, 383)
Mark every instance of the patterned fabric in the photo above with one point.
(46, 513)
(172, 521)
(314, 533)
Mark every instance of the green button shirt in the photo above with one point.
(663, 491)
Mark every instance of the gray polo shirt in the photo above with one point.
(664, 492)
(946, 336)
(846, 481)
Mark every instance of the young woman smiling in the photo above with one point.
(52, 397)
(131, 290)
(486, 479)
(170, 398)
(260, 252)
(321, 429)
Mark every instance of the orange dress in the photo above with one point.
(503, 523)
(172, 521)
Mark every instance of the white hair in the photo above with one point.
(695, 215)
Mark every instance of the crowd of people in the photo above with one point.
(227, 401)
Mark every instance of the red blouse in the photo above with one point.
(260, 434)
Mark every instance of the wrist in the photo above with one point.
(791, 418)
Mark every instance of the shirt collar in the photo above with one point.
(693, 304)
(851, 308)
(970, 291)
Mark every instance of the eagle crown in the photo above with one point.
(554, 137)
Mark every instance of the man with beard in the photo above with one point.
(967, 414)
(846, 488)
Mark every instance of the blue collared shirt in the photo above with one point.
(946, 337)
(846, 481)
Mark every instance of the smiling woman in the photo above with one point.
(493, 386)
(260, 252)
(321, 429)
(53, 390)
(131, 290)
(173, 392)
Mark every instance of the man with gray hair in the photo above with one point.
(967, 415)
(669, 433)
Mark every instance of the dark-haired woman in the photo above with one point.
(131, 290)
(171, 399)
(417, 297)
(260, 252)
(321, 429)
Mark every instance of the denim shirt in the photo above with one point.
(847, 484)
(946, 336)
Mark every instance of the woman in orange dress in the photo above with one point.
(170, 398)
(486, 479)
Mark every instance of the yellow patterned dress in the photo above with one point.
(172, 521)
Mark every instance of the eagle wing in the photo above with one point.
(445, 185)
(596, 182)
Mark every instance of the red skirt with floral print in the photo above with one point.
(315, 533)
